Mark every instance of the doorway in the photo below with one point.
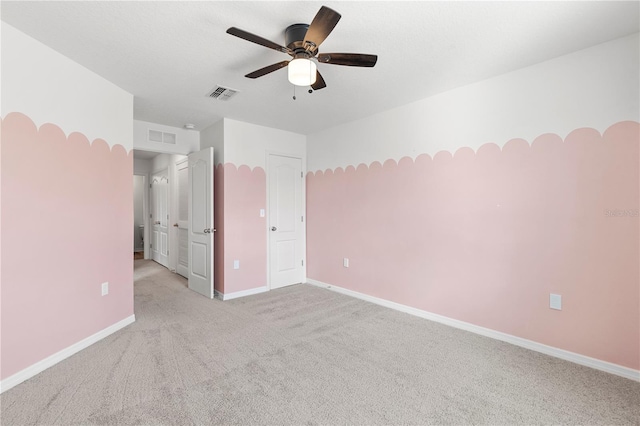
(179, 193)
(138, 216)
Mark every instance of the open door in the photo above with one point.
(201, 222)
(159, 217)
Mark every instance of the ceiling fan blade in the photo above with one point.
(267, 70)
(257, 40)
(319, 84)
(321, 26)
(348, 59)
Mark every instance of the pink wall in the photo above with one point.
(66, 227)
(244, 230)
(485, 237)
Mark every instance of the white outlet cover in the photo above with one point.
(105, 288)
(236, 264)
(261, 212)
(555, 301)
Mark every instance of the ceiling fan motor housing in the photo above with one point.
(294, 40)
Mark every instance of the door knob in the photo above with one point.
(175, 224)
(273, 228)
(157, 222)
(206, 231)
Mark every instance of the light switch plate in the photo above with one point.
(236, 264)
(345, 262)
(555, 301)
(261, 212)
(105, 288)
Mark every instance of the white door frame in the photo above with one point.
(145, 212)
(304, 212)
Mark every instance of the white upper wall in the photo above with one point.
(249, 144)
(187, 141)
(213, 137)
(51, 88)
(141, 166)
(595, 87)
(165, 161)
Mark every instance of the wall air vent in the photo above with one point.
(222, 93)
(162, 137)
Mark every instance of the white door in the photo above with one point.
(159, 217)
(181, 225)
(285, 221)
(201, 222)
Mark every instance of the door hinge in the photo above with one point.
(301, 174)
(167, 252)
(150, 215)
(303, 263)
(301, 218)
(167, 216)
(150, 186)
(150, 245)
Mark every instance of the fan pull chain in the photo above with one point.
(294, 92)
(310, 72)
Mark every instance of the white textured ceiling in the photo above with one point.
(169, 55)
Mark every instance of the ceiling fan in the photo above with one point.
(302, 43)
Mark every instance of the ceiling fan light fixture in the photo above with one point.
(302, 72)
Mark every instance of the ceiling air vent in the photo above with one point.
(222, 93)
(162, 137)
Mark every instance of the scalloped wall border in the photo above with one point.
(465, 151)
(71, 135)
(485, 237)
(75, 196)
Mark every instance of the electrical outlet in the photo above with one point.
(345, 262)
(105, 288)
(555, 301)
(236, 264)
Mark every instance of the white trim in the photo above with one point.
(608, 367)
(243, 293)
(52, 360)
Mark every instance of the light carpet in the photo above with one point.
(305, 355)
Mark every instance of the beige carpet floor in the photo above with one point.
(304, 355)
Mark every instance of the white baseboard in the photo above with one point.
(52, 360)
(608, 367)
(243, 293)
